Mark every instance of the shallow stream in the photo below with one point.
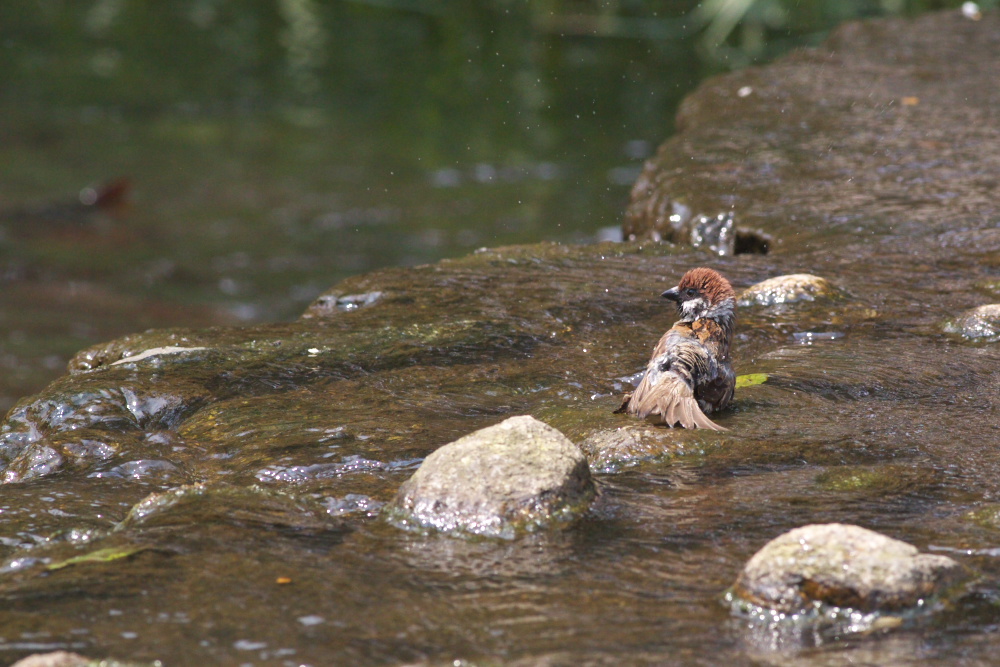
(221, 505)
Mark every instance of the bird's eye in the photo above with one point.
(690, 291)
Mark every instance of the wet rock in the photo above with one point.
(146, 470)
(981, 324)
(54, 659)
(123, 414)
(610, 450)
(717, 233)
(842, 566)
(156, 351)
(747, 141)
(352, 503)
(792, 288)
(36, 461)
(520, 474)
(145, 397)
(329, 304)
(67, 659)
(137, 347)
(720, 235)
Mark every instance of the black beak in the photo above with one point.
(673, 294)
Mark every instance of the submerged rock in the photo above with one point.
(979, 324)
(520, 474)
(842, 566)
(991, 287)
(220, 504)
(877, 480)
(610, 450)
(987, 516)
(613, 448)
(788, 289)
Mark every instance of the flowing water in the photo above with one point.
(263, 165)
(221, 505)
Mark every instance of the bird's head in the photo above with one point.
(702, 293)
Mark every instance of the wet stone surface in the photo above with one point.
(978, 324)
(223, 495)
(798, 121)
(516, 476)
(54, 659)
(842, 566)
(788, 289)
(67, 659)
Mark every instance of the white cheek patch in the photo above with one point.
(691, 309)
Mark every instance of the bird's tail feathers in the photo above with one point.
(686, 412)
(670, 403)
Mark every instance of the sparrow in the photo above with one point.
(690, 374)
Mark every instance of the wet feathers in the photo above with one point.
(690, 374)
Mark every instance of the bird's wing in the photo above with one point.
(665, 394)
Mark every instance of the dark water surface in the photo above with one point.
(273, 148)
(222, 504)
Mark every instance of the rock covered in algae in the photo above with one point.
(790, 288)
(842, 566)
(517, 475)
(979, 324)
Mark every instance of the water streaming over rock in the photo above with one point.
(228, 485)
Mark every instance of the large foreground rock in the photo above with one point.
(518, 474)
(842, 566)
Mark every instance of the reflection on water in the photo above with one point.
(275, 148)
